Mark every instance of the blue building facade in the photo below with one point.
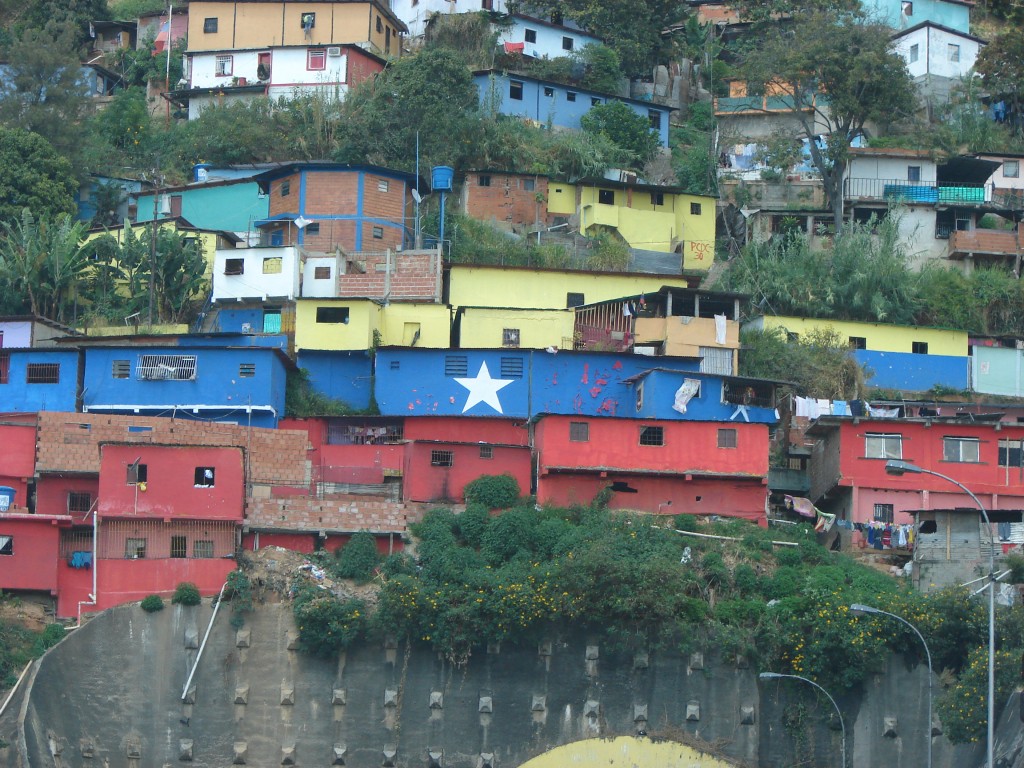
(525, 383)
(558, 104)
(33, 380)
(914, 373)
(240, 384)
(345, 376)
(902, 14)
(232, 205)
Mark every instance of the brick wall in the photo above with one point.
(288, 203)
(413, 275)
(506, 199)
(337, 514)
(69, 442)
(332, 193)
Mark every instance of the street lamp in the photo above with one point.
(857, 609)
(842, 725)
(896, 467)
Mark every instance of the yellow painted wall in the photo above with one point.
(211, 41)
(399, 321)
(169, 329)
(881, 337)
(357, 333)
(686, 338)
(483, 328)
(561, 198)
(698, 231)
(481, 286)
(626, 752)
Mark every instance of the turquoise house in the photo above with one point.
(229, 204)
(903, 14)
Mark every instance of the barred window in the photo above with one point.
(652, 435)
(42, 373)
(579, 432)
(79, 501)
(442, 458)
(121, 369)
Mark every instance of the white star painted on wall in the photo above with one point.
(483, 389)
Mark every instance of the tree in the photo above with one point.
(838, 75)
(1001, 66)
(34, 177)
(630, 131)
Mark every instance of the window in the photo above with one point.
(204, 477)
(273, 265)
(312, 229)
(179, 546)
(307, 21)
(121, 369)
(510, 337)
(915, 52)
(511, 368)
(42, 373)
(246, 370)
(6, 544)
(378, 233)
(202, 548)
(654, 116)
(879, 446)
(380, 25)
(652, 435)
(695, 209)
(657, 198)
(455, 365)
(549, 92)
(383, 185)
(135, 549)
(1010, 454)
(573, 300)
(164, 367)
(209, 25)
(1011, 169)
(919, 347)
(5, 367)
(483, 181)
(137, 473)
(961, 449)
(286, 188)
(908, 8)
(442, 458)
(913, 173)
(595, 101)
(234, 266)
(223, 66)
(487, 5)
(79, 501)
(954, 52)
(529, 185)
(272, 321)
(332, 314)
(321, 273)
(567, 43)
(858, 342)
(606, 197)
(579, 432)
(515, 90)
(530, 35)
(316, 60)
(727, 438)
(486, 451)
(570, 96)
(883, 513)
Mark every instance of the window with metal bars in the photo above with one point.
(486, 451)
(442, 458)
(42, 373)
(121, 369)
(202, 548)
(579, 432)
(166, 367)
(510, 337)
(727, 438)
(246, 370)
(179, 546)
(5, 367)
(652, 435)
(79, 501)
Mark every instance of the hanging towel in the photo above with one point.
(720, 329)
(685, 393)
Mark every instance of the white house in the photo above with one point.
(937, 57)
(320, 276)
(544, 39)
(415, 13)
(257, 273)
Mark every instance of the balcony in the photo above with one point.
(983, 242)
(927, 192)
(759, 105)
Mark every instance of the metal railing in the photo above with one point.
(928, 192)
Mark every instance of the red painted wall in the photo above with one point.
(52, 492)
(17, 459)
(425, 482)
(33, 566)
(344, 463)
(122, 581)
(467, 430)
(73, 585)
(170, 488)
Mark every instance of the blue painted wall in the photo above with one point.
(345, 376)
(555, 108)
(217, 383)
(914, 373)
(411, 382)
(18, 396)
(271, 341)
(232, 207)
(85, 196)
(659, 394)
(231, 320)
(950, 14)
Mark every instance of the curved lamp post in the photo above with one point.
(858, 609)
(896, 467)
(842, 725)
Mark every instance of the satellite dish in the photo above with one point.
(302, 223)
(417, 196)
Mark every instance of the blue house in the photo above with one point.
(232, 384)
(90, 192)
(342, 375)
(560, 105)
(914, 373)
(233, 205)
(525, 383)
(903, 14)
(33, 380)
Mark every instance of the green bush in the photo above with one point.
(493, 491)
(686, 522)
(472, 523)
(327, 624)
(152, 603)
(52, 635)
(186, 593)
(745, 579)
(358, 558)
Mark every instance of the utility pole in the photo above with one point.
(167, 70)
(152, 244)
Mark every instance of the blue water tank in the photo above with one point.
(200, 171)
(6, 497)
(441, 178)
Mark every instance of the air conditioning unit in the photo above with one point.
(334, 50)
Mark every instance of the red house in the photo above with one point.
(18, 456)
(671, 467)
(29, 551)
(848, 474)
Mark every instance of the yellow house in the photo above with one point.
(627, 752)
(253, 24)
(875, 337)
(652, 218)
(489, 328)
(348, 324)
